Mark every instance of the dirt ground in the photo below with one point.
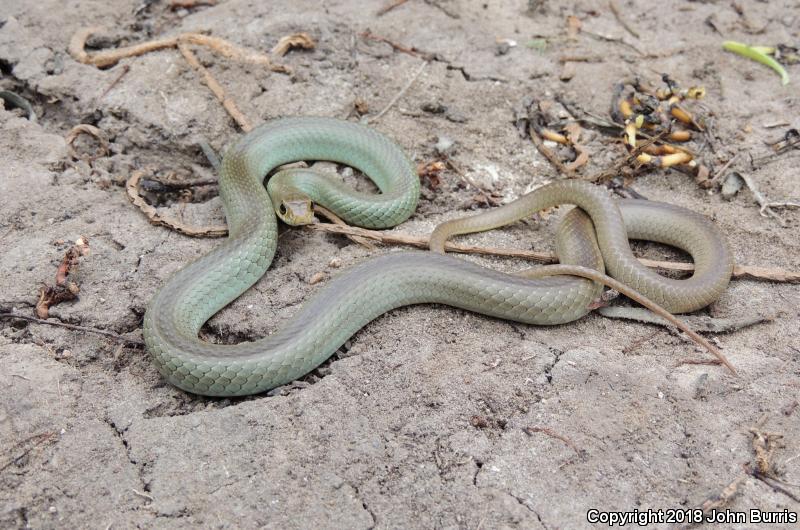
(433, 417)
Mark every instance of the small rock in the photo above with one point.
(731, 185)
(433, 107)
(455, 116)
(316, 278)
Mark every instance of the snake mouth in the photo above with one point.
(296, 212)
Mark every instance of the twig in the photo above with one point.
(188, 4)
(550, 432)
(697, 322)
(771, 482)
(614, 39)
(398, 238)
(710, 362)
(132, 189)
(413, 51)
(321, 210)
(597, 276)
(125, 69)
(35, 441)
(399, 94)
(469, 180)
(223, 47)
(548, 154)
(720, 173)
(612, 5)
(766, 210)
(789, 203)
(773, 274)
(216, 88)
(389, 7)
(108, 334)
(614, 170)
(143, 494)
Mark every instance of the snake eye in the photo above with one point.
(283, 209)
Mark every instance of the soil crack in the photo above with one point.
(120, 434)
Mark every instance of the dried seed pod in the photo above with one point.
(680, 136)
(549, 134)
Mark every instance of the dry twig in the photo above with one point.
(697, 322)
(74, 327)
(188, 4)
(766, 206)
(389, 7)
(337, 221)
(124, 70)
(530, 431)
(31, 442)
(612, 5)
(398, 238)
(548, 154)
(399, 94)
(399, 47)
(216, 88)
(223, 47)
(132, 189)
(487, 196)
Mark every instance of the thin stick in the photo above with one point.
(387, 8)
(398, 238)
(399, 94)
(762, 201)
(321, 210)
(398, 47)
(188, 4)
(216, 88)
(125, 69)
(553, 434)
(108, 334)
(223, 47)
(132, 189)
(610, 282)
(618, 15)
(466, 178)
(548, 154)
(719, 174)
(698, 322)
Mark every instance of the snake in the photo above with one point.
(592, 235)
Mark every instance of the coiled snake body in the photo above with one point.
(195, 293)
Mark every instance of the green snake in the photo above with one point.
(597, 239)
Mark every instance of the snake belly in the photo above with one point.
(195, 293)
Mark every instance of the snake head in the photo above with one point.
(296, 211)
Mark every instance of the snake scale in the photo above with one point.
(597, 238)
